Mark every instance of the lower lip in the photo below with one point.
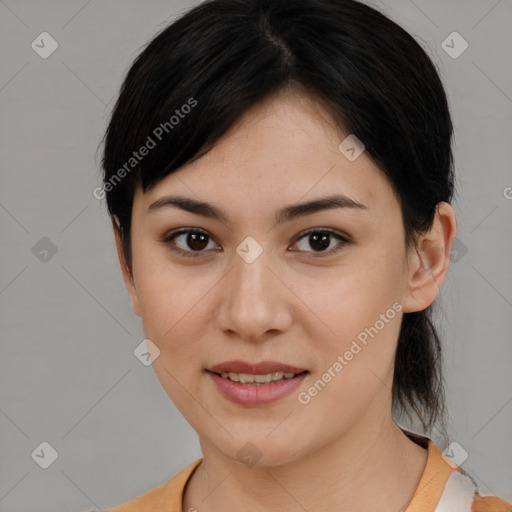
(253, 395)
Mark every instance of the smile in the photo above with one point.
(256, 390)
(246, 378)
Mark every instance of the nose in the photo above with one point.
(255, 302)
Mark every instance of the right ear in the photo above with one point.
(125, 269)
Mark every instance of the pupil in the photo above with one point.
(321, 240)
(197, 241)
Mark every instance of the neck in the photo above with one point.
(375, 466)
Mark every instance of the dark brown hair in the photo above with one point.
(224, 56)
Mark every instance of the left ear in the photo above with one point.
(428, 262)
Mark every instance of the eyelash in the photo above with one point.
(168, 241)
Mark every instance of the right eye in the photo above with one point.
(189, 242)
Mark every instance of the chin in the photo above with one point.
(259, 451)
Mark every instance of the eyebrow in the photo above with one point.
(286, 214)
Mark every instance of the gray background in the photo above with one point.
(68, 373)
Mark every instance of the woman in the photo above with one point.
(279, 176)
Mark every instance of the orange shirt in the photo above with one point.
(442, 488)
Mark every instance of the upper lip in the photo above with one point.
(261, 368)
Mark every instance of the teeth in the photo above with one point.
(246, 378)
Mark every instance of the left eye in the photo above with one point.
(320, 240)
(194, 242)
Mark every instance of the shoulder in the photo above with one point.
(461, 493)
(167, 497)
(446, 487)
(490, 504)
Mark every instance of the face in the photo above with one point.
(317, 291)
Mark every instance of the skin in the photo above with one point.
(287, 306)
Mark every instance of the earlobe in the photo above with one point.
(429, 260)
(126, 271)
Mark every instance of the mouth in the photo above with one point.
(261, 379)
(255, 384)
(263, 368)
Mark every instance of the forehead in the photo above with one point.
(284, 149)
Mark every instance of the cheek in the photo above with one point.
(174, 303)
(173, 319)
(351, 297)
(169, 314)
(356, 316)
(355, 372)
